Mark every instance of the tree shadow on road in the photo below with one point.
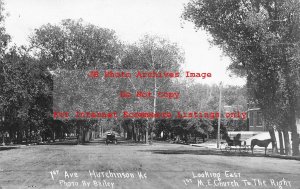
(211, 152)
(8, 147)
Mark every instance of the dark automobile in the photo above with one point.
(110, 138)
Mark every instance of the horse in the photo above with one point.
(261, 143)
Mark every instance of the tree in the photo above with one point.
(25, 86)
(26, 90)
(141, 105)
(259, 36)
(153, 53)
(68, 50)
(75, 45)
(4, 37)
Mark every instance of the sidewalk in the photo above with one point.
(209, 145)
(260, 150)
(8, 147)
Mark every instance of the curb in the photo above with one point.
(285, 157)
(271, 156)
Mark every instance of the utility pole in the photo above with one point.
(3, 133)
(219, 119)
(154, 107)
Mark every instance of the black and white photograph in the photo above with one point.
(149, 94)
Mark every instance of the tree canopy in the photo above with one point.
(261, 37)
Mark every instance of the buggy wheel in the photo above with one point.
(242, 149)
(247, 148)
(227, 148)
(236, 148)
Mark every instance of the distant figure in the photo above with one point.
(235, 141)
(237, 137)
(110, 137)
(261, 143)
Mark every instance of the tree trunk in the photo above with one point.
(146, 137)
(138, 134)
(287, 142)
(143, 136)
(11, 136)
(20, 137)
(83, 134)
(295, 135)
(290, 86)
(135, 134)
(274, 142)
(154, 106)
(132, 132)
(150, 132)
(128, 132)
(280, 142)
(26, 135)
(80, 135)
(87, 135)
(30, 133)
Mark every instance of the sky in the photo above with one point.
(131, 19)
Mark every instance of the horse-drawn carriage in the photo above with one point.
(234, 144)
(237, 144)
(110, 138)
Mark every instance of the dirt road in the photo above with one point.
(140, 166)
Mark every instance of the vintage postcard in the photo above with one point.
(146, 94)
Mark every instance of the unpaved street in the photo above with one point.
(129, 166)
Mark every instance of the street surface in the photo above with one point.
(130, 166)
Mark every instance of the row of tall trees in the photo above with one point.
(151, 53)
(262, 38)
(50, 75)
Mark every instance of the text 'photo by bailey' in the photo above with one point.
(149, 94)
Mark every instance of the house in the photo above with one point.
(298, 125)
(256, 122)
